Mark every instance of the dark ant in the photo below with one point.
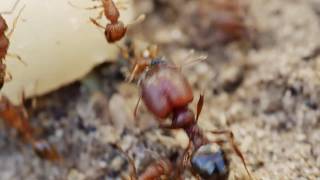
(115, 30)
(16, 117)
(4, 45)
(166, 92)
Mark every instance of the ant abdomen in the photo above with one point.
(211, 166)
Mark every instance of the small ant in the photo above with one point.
(16, 117)
(159, 168)
(4, 45)
(166, 92)
(115, 30)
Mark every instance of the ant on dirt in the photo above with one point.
(17, 118)
(220, 22)
(4, 45)
(115, 30)
(167, 93)
(204, 165)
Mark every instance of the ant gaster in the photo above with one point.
(166, 92)
(115, 30)
(17, 118)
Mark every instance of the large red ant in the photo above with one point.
(115, 30)
(16, 117)
(4, 45)
(166, 92)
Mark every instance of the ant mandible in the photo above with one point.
(16, 117)
(4, 45)
(166, 92)
(116, 29)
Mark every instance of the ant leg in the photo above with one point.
(8, 77)
(199, 106)
(15, 21)
(17, 57)
(138, 20)
(85, 8)
(186, 155)
(133, 173)
(236, 149)
(136, 107)
(122, 5)
(100, 15)
(96, 23)
(12, 9)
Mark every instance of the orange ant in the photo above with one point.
(16, 117)
(4, 45)
(115, 29)
(167, 93)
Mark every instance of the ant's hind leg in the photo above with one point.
(133, 173)
(236, 149)
(199, 106)
(94, 22)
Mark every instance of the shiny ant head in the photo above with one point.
(211, 165)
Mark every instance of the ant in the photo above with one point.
(115, 30)
(220, 21)
(4, 45)
(16, 117)
(167, 93)
(159, 168)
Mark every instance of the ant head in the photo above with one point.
(115, 31)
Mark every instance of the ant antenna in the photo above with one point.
(12, 9)
(15, 21)
(85, 8)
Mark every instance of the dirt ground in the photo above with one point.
(265, 92)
